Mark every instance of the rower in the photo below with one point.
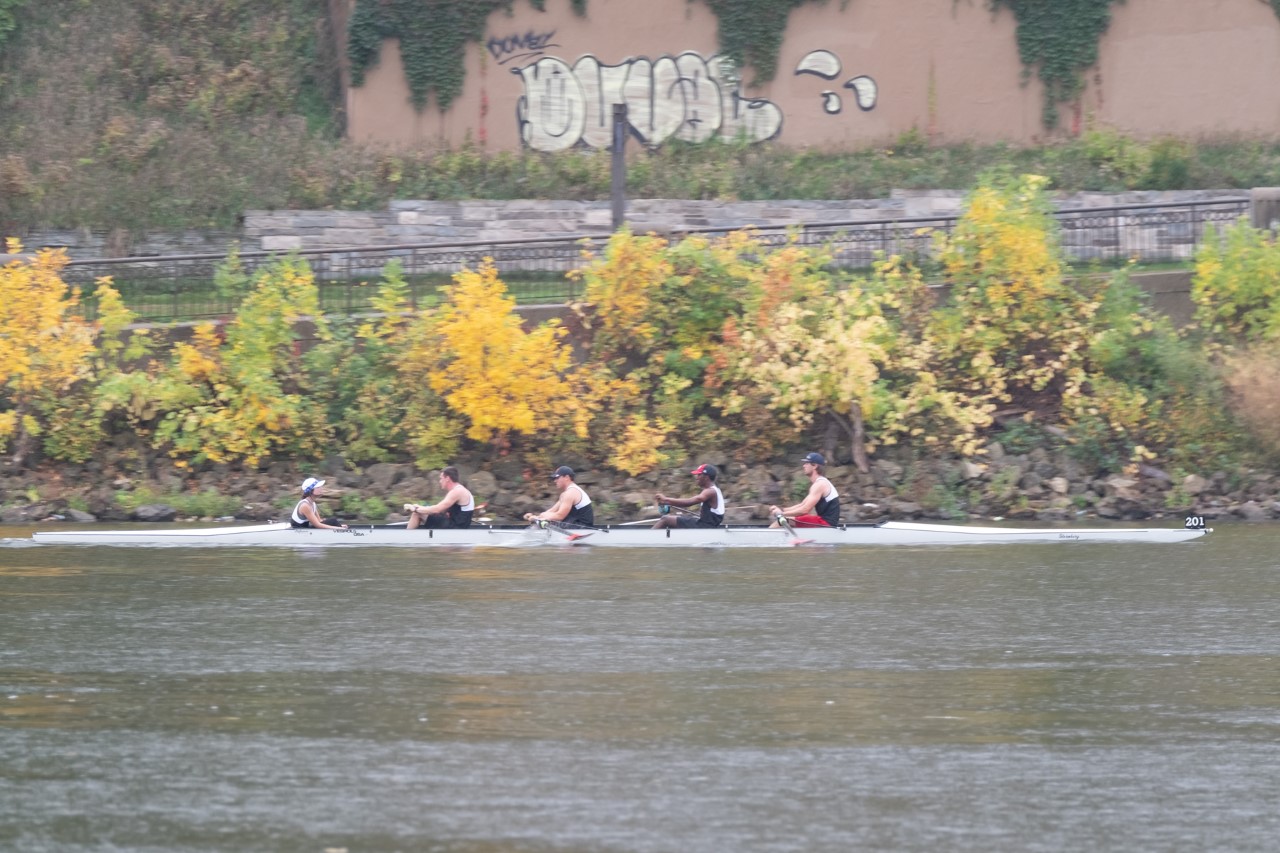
(573, 507)
(710, 497)
(821, 506)
(306, 514)
(453, 510)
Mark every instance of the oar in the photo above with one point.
(785, 524)
(554, 526)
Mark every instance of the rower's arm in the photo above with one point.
(810, 501)
(559, 511)
(447, 501)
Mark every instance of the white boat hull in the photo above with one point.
(899, 533)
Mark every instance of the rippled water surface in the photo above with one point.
(1033, 697)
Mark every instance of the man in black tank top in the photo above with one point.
(711, 499)
(821, 506)
(572, 508)
(454, 509)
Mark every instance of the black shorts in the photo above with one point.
(690, 521)
(438, 520)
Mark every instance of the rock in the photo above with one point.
(971, 470)
(886, 473)
(520, 504)
(1153, 473)
(482, 484)
(259, 511)
(1123, 488)
(1059, 485)
(81, 517)
(629, 501)
(905, 509)
(419, 489)
(1194, 484)
(16, 515)
(383, 475)
(1045, 469)
(1107, 509)
(1252, 511)
(155, 512)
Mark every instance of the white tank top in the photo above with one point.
(298, 517)
(718, 506)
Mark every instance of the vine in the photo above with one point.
(1060, 40)
(433, 36)
(751, 31)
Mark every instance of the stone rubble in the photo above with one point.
(1032, 486)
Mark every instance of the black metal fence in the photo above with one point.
(181, 287)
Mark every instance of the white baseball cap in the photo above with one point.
(311, 484)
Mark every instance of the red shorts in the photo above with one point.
(809, 521)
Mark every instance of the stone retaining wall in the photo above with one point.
(499, 221)
(463, 221)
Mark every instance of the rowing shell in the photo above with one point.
(887, 533)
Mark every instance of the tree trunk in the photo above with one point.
(857, 436)
(21, 443)
(859, 443)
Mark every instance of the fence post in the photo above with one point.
(1264, 207)
(618, 185)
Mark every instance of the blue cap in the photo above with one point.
(815, 458)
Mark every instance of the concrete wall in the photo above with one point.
(849, 74)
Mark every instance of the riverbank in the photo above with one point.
(1037, 485)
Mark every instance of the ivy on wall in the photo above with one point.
(9, 10)
(433, 36)
(751, 31)
(1060, 40)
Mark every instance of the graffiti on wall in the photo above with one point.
(519, 46)
(682, 97)
(825, 64)
(686, 97)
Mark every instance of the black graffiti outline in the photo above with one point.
(534, 44)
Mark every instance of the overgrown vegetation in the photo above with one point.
(1059, 40)
(177, 113)
(432, 34)
(725, 343)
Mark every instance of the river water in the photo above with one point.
(1016, 697)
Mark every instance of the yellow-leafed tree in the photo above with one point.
(240, 393)
(45, 345)
(501, 379)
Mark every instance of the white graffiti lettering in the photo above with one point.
(684, 97)
(825, 64)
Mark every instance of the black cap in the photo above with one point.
(708, 469)
(815, 458)
(563, 471)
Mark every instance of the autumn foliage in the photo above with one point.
(728, 343)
